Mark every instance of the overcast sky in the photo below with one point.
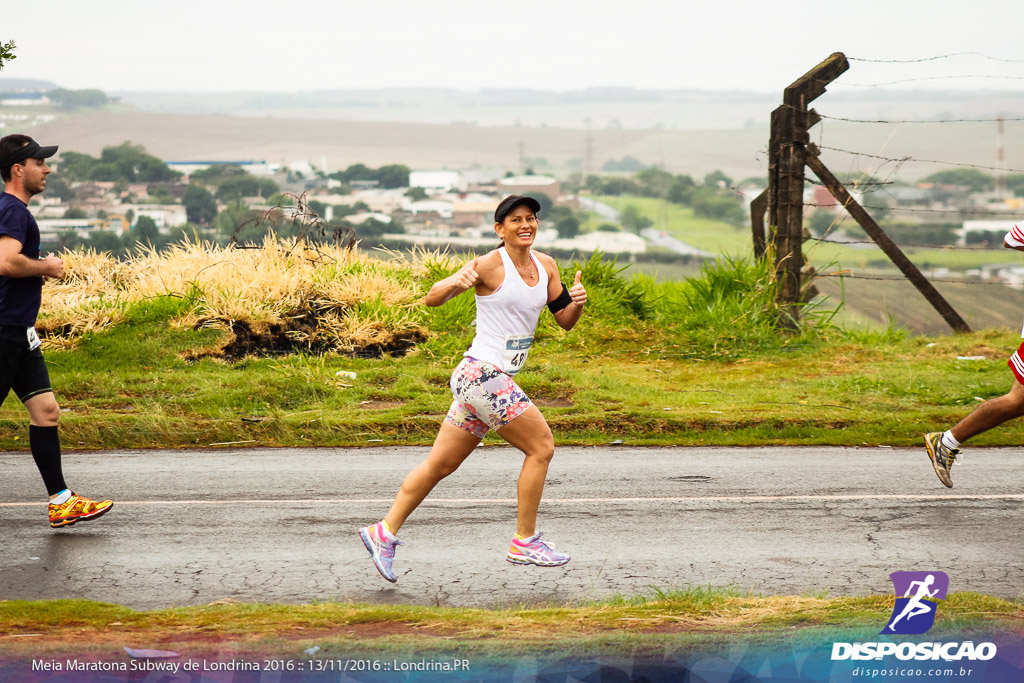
(304, 45)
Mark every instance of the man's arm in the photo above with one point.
(15, 264)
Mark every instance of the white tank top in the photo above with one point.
(507, 317)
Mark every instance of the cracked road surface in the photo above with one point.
(279, 525)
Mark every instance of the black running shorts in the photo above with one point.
(21, 369)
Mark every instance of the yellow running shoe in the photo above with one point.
(942, 458)
(77, 509)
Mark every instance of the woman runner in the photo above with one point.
(512, 285)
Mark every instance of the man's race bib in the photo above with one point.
(33, 338)
(517, 347)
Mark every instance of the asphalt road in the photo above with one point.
(193, 527)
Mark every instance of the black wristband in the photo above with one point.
(561, 302)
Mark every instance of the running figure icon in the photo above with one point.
(916, 606)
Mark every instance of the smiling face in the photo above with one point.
(519, 227)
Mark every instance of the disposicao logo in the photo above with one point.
(917, 598)
(914, 613)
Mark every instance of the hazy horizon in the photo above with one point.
(313, 45)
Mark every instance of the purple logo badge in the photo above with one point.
(917, 596)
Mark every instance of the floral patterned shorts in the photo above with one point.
(485, 398)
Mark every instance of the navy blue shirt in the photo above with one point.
(19, 296)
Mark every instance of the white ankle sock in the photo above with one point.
(948, 440)
(61, 497)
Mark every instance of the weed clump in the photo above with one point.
(270, 298)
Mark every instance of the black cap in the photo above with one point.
(33, 150)
(512, 201)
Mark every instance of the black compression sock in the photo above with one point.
(45, 445)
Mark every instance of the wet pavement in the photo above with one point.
(279, 525)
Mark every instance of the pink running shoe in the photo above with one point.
(535, 551)
(381, 549)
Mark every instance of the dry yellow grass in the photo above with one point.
(321, 296)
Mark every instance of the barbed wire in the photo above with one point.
(995, 120)
(924, 161)
(932, 59)
(927, 78)
(941, 247)
(995, 215)
(851, 276)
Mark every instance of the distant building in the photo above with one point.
(438, 181)
(431, 207)
(968, 227)
(473, 214)
(23, 99)
(530, 185)
(51, 228)
(360, 218)
(164, 215)
(259, 168)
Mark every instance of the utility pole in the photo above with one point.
(786, 159)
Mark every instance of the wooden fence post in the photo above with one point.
(786, 153)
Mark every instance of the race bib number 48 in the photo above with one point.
(517, 347)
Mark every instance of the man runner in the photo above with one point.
(22, 368)
(944, 447)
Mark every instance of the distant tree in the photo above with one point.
(74, 212)
(68, 240)
(393, 175)
(372, 228)
(236, 187)
(627, 164)
(235, 216)
(146, 232)
(608, 227)
(77, 99)
(720, 207)
(125, 163)
(616, 187)
(355, 172)
(161, 195)
(342, 210)
(681, 190)
(935, 234)
(105, 240)
(1014, 183)
(216, 173)
(717, 180)
(416, 194)
(7, 53)
(568, 226)
(654, 182)
(546, 203)
(822, 221)
(57, 187)
(633, 220)
(75, 165)
(317, 207)
(970, 178)
(135, 165)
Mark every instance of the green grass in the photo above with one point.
(675, 618)
(679, 222)
(700, 362)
